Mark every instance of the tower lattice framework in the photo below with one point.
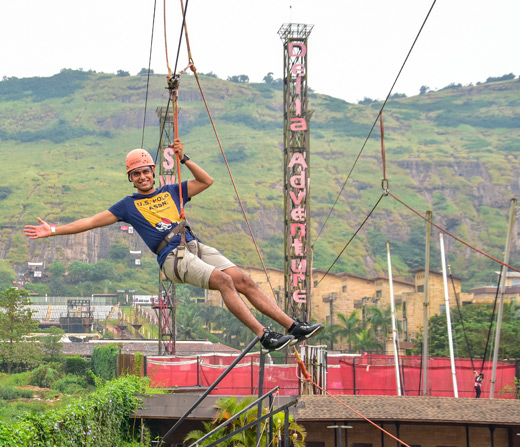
(296, 158)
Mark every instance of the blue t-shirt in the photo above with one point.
(154, 216)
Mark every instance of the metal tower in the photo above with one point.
(296, 158)
(166, 304)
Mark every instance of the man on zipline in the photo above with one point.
(156, 216)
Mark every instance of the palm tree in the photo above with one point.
(189, 323)
(327, 336)
(229, 406)
(349, 327)
(380, 321)
(366, 342)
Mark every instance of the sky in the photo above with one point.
(355, 49)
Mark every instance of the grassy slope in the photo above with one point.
(454, 151)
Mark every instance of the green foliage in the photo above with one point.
(476, 319)
(10, 393)
(100, 419)
(15, 324)
(118, 252)
(230, 406)
(467, 162)
(76, 365)
(58, 86)
(70, 384)
(505, 77)
(52, 345)
(46, 375)
(7, 274)
(104, 361)
(242, 79)
(5, 191)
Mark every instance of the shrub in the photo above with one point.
(104, 361)
(76, 365)
(100, 419)
(70, 384)
(10, 393)
(45, 375)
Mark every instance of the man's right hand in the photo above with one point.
(38, 231)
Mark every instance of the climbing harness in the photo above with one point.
(181, 228)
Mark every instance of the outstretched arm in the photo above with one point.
(202, 180)
(88, 223)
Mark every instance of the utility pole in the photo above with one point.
(448, 319)
(426, 329)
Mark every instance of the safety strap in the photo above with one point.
(181, 229)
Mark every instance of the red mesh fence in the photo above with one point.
(366, 374)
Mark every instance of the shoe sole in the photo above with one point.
(267, 351)
(305, 337)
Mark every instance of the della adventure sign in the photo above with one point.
(297, 260)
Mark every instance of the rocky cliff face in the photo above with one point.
(90, 246)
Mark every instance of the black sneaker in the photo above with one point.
(273, 341)
(302, 331)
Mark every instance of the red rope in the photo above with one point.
(307, 377)
(451, 235)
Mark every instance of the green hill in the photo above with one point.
(63, 140)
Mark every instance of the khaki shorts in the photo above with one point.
(194, 270)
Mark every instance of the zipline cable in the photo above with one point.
(352, 237)
(452, 235)
(491, 320)
(193, 68)
(148, 77)
(375, 122)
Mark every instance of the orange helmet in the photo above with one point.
(138, 158)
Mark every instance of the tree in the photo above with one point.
(268, 78)
(144, 72)
(7, 275)
(227, 407)
(365, 101)
(328, 336)
(188, 323)
(241, 79)
(15, 325)
(349, 328)
(366, 342)
(52, 344)
(118, 252)
(122, 73)
(424, 89)
(380, 321)
(57, 281)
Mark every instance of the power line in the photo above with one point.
(375, 122)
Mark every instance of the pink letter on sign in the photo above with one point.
(300, 296)
(168, 158)
(298, 69)
(298, 124)
(302, 49)
(301, 227)
(299, 159)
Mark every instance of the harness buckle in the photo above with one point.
(180, 251)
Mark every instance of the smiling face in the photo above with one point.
(143, 179)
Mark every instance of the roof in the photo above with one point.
(411, 409)
(416, 409)
(149, 347)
